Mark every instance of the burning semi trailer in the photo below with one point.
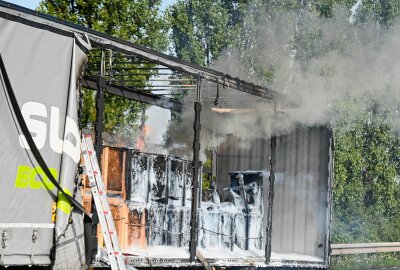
(221, 185)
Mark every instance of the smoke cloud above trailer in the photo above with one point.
(318, 63)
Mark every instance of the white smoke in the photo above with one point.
(316, 62)
(320, 62)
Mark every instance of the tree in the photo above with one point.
(384, 12)
(137, 21)
(366, 187)
(201, 30)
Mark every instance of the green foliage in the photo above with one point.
(384, 12)
(366, 185)
(365, 261)
(137, 21)
(201, 30)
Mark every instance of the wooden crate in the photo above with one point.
(87, 202)
(118, 209)
(113, 171)
(130, 226)
(136, 229)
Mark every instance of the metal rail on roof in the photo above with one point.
(177, 64)
(141, 81)
(148, 98)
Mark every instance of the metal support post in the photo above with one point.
(196, 175)
(271, 193)
(101, 85)
(244, 196)
(166, 239)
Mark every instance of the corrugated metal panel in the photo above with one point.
(300, 207)
(236, 155)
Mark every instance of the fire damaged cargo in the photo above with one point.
(208, 192)
(233, 217)
(161, 187)
(233, 225)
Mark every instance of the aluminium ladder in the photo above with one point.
(103, 208)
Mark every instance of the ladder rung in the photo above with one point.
(117, 260)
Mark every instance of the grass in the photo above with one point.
(365, 261)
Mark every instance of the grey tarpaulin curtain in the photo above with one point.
(43, 66)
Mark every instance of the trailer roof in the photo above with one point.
(103, 41)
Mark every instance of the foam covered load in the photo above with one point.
(233, 217)
(160, 187)
(233, 220)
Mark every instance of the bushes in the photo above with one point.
(365, 261)
(366, 186)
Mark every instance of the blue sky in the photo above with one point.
(32, 4)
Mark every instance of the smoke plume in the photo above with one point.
(316, 62)
(319, 62)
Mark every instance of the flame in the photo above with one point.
(232, 110)
(140, 142)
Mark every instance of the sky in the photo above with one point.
(32, 4)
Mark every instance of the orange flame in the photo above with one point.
(140, 142)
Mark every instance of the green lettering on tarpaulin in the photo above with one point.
(26, 176)
(33, 183)
(47, 184)
(35, 178)
(22, 179)
(63, 203)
